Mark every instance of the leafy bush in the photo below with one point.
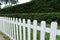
(35, 6)
(48, 17)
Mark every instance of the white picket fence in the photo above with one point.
(10, 26)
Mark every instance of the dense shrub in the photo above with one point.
(35, 6)
(48, 17)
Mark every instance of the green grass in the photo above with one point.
(5, 36)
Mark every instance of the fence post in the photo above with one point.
(29, 22)
(42, 35)
(34, 30)
(53, 31)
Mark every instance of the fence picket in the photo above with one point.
(17, 28)
(14, 29)
(8, 25)
(42, 35)
(34, 30)
(53, 31)
(10, 28)
(20, 29)
(29, 22)
(3, 26)
(24, 30)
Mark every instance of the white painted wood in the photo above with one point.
(7, 25)
(42, 35)
(29, 33)
(58, 32)
(11, 28)
(14, 29)
(24, 30)
(53, 31)
(3, 26)
(20, 29)
(7, 28)
(34, 30)
(17, 28)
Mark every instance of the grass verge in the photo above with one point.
(5, 37)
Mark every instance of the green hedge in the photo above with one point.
(48, 17)
(35, 6)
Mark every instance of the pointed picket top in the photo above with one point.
(29, 21)
(54, 25)
(34, 30)
(19, 19)
(43, 27)
(53, 31)
(43, 23)
(29, 30)
(35, 22)
(24, 21)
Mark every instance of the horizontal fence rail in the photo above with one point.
(20, 29)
